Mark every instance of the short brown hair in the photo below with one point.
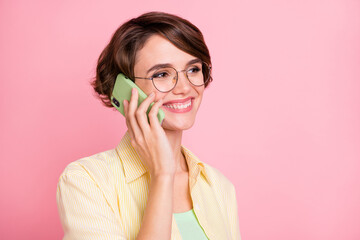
(120, 54)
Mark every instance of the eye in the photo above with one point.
(193, 69)
(160, 75)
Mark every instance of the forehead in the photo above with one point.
(159, 50)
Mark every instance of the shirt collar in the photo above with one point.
(133, 167)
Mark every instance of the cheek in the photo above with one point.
(145, 85)
(160, 95)
(200, 97)
(200, 92)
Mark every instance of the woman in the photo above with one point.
(150, 186)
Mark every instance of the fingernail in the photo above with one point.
(133, 90)
(151, 94)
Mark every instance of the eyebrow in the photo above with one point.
(165, 65)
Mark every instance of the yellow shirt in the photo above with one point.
(104, 197)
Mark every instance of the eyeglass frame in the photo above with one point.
(177, 77)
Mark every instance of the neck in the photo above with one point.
(175, 138)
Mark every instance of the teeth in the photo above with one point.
(178, 106)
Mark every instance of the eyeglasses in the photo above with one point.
(165, 79)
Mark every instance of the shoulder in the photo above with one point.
(224, 190)
(98, 167)
(218, 179)
(213, 175)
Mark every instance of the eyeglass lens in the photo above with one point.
(164, 79)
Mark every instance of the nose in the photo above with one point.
(183, 84)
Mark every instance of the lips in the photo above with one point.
(178, 101)
(180, 105)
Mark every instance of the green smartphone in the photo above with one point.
(122, 91)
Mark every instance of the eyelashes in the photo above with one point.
(167, 72)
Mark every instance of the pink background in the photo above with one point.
(281, 119)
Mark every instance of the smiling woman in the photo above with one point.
(181, 92)
(150, 186)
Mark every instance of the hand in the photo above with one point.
(149, 139)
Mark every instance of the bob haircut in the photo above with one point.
(120, 54)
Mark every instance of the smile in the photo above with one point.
(180, 106)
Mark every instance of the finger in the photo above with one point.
(154, 121)
(131, 114)
(126, 106)
(141, 115)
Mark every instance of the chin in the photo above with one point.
(177, 126)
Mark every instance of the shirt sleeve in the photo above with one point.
(84, 211)
(234, 221)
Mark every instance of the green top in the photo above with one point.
(189, 226)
